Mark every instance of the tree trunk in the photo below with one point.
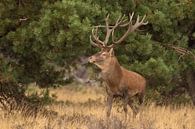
(191, 83)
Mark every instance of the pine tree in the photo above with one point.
(37, 35)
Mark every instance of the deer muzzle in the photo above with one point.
(91, 59)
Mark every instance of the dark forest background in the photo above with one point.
(40, 40)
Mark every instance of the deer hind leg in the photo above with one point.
(141, 98)
(126, 100)
(134, 108)
(109, 105)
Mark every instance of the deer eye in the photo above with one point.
(103, 54)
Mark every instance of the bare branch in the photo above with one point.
(182, 51)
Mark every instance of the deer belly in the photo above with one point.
(130, 92)
(122, 92)
(133, 92)
(115, 90)
(118, 91)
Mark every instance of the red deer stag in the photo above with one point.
(119, 81)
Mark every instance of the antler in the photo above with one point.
(109, 29)
(131, 27)
(97, 42)
(121, 22)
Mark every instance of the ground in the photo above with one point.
(83, 107)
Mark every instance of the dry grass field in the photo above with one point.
(83, 108)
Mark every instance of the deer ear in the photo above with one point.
(111, 52)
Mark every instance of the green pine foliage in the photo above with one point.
(57, 32)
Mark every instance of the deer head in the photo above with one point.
(105, 56)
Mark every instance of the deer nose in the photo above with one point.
(90, 59)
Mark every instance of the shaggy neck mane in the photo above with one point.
(113, 73)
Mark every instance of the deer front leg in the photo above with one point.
(109, 104)
(126, 100)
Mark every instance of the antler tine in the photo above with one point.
(107, 17)
(144, 23)
(95, 44)
(130, 20)
(108, 30)
(119, 21)
(139, 23)
(137, 20)
(131, 16)
(95, 37)
(131, 27)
